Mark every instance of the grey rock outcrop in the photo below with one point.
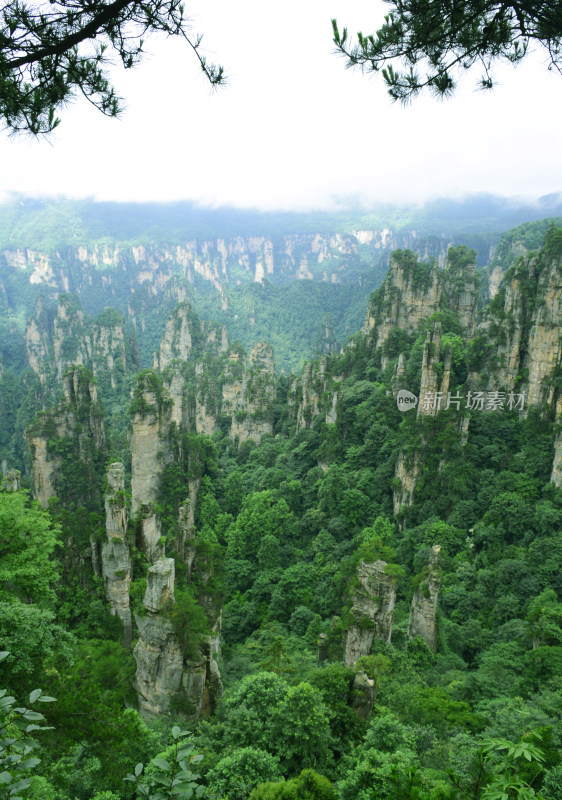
(407, 472)
(399, 378)
(150, 453)
(248, 392)
(372, 611)
(556, 476)
(363, 695)
(165, 678)
(436, 374)
(72, 338)
(77, 422)
(186, 524)
(11, 481)
(423, 612)
(519, 334)
(115, 556)
(413, 292)
(316, 392)
(160, 585)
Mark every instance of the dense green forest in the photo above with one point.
(272, 496)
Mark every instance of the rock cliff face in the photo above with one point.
(37, 341)
(115, 557)
(514, 345)
(208, 380)
(406, 474)
(215, 262)
(556, 476)
(186, 524)
(423, 612)
(70, 344)
(248, 392)
(150, 452)
(165, 678)
(372, 612)
(11, 481)
(73, 338)
(436, 374)
(413, 292)
(72, 432)
(363, 697)
(433, 398)
(518, 342)
(316, 392)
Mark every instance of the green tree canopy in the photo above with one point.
(27, 540)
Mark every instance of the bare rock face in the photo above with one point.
(399, 379)
(74, 339)
(108, 348)
(78, 422)
(556, 476)
(544, 355)
(363, 697)
(160, 586)
(159, 664)
(407, 471)
(177, 341)
(424, 603)
(70, 342)
(434, 381)
(189, 353)
(372, 612)
(150, 453)
(248, 392)
(521, 333)
(186, 524)
(44, 467)
(165, 679)
(115, 509)
(315, 393)
(412, 292)
(37, 341)
(115, 557)
(11, 481)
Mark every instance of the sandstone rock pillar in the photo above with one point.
(372, 612)
(115, 558)
(424, 603)
(166, 679)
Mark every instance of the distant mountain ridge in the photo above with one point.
(282, 277)
(40, 222)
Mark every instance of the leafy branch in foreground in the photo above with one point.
(49, 52)
(505, 759)
(167, 781)
(16, 744)
(445, 37)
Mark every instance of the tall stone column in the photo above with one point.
(424, 603)
(115, 557)
(372, 612)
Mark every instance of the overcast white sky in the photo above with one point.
(293, 128)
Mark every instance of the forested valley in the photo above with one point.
(281, 510)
